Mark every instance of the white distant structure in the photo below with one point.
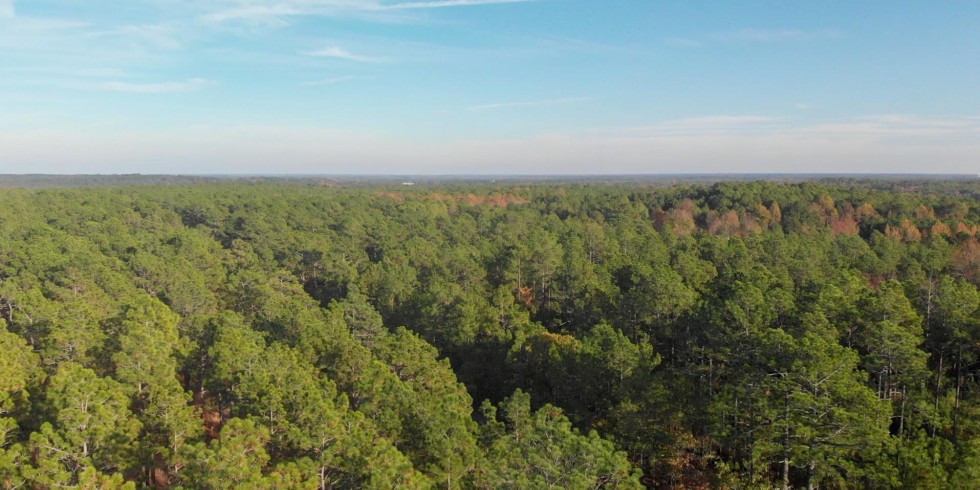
(408, 183)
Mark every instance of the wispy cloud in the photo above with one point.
(777, 35)
(718, 124)
(33, 33)
(255, 13)
(6, 9)
(449, 3)
(155, 88)
(724, 121)
(881, 127)
(912, 125)
(277, 11)
(54, 72)
(749, 36)
(683, 42)
(335, 80)
(530, 103)
(343, 54)
(41, 46)
(157, 35)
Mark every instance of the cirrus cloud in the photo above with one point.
(343, 54)
(155, 88)
(6, 9)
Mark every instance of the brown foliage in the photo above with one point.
(541, 343)
(777, 212)
(496, 200)
(212, 417)
(212, 423)
(906, 231)
(659, 217)
(394, 196)
(750, 224)
(159, 477)
(683, 464)
(763, 215)
(873, 280)
(957, 212)
(962, 227)
(910, 232)
(525, 294)
(966, 260)
(865, 210)
(844, 225)
(687, 204)
(924, 212)
(941, 229)
(825, 207)
(727, 224)
(679, 220)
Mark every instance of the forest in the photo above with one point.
(246, 335)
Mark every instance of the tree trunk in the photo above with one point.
(901, 417)
(785, 471)
(786, 447)
(929, 294)
(939, 381)
(956, 398)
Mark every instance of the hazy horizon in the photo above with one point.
(527, 176)
(488, 87)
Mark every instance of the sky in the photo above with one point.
(489, 86)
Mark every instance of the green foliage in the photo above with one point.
(19, 369)
(539, 449)
(235, 460)
(89, 425)
(265, 335)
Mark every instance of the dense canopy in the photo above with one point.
(548, 335)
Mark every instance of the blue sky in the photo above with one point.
(489, 86)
